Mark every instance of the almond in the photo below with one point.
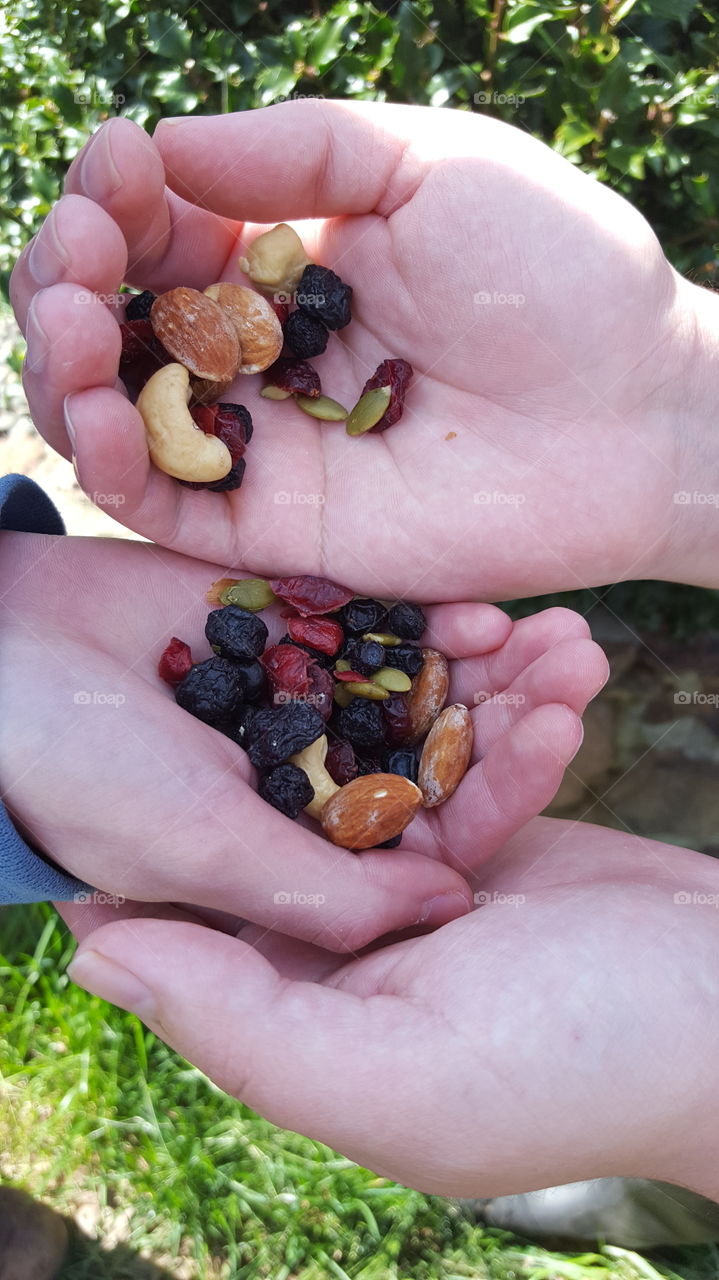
(369, 810)
(197, 334)
(258, 329)
(205, 392)
(428, 694)
(445, 755)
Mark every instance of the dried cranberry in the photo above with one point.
(341, 763)
(288, 670)
(352, 677)
(281, 310)
(232, 424)
(321, 692)
(142, 354)
(310, 595)
(396, 714)
(318, 633)
(175, 661)
(296, 376)
(396, 375)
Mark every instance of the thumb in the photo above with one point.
(307, 1057)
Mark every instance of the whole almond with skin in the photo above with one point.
(445, 755)
(369, 810)
(197, 333)
(428, 694)
(259, 331)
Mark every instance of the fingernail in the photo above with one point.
(110, 981)
(442, 909)
(38, 343)
(99, 177)
(48, 259)
(69, 427)
(579, 744)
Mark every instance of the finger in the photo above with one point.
(517, 779)
(465, 630)
(73, 342)
(77, 244)
(477, 679)
(572, 672)
(83, 918)
(259, 1036)
(168, 240)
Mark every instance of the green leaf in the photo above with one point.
(522, 21)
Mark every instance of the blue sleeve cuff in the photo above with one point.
(25, 875)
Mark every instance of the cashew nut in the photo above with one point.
(312, 760)
(175, 444)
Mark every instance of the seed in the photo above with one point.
(252, 594)
(383, 637)
(393, 680)
(368, 410)
(342, 695)
(275, 393)
(322, 407)
(342, 665)
(366, 689)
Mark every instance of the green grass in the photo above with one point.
(94, 1110)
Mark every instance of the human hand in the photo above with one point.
(566, 1030)
(103, 771)
(579, 397)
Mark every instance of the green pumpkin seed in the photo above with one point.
(368, 410)
(275, 393)
(365, 689)
(252, 594)
(392, 679)
(322, 407)
(384, 637)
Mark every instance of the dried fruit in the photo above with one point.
(139, 305)
(253, 594)
(142, 355)
(341, 762)
(258, 330)
(287, 788)
(396, 374)
(296, 377)
(276, 733)
(175, 661)
(405, 763)
(363, 614)
(206, 392)
(232, 424)
(318, 633)
(320, 693)
(368, 411)
(310, 595)
(312, 761)
(398, 726)
(212, 691)
(365, 656)
(288, 669)
(236, 633)
(321, 294)
(370, 810)
(197, 333)
(428, 694)
(362, 724)
(445, 755)
(275, 260)
(407, 620)
(306, 336)
(393, 680)
(322, 407)
(405, 657)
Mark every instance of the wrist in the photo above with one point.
(690, 551)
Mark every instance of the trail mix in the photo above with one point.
(344, 718)
(183, 349)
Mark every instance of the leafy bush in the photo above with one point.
(625, 88)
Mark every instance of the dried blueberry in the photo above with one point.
(254, 680)
(139, 305)
(212, 691)
(239, 728)
(362, 724)
(287, 788)
(306, 336)
(394, 843)
(276, 733)
(405, 763)
(236, 633)
(407, 620)
(404, 657)
(324, 296)
(365, 656)
(361, 615)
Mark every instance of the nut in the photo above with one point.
(258, 329)
(205, 392)
(322, 407)
(175, 444)
(197, 333)
(275, 260)
(312, 760)
(428, 694)
(369, 810)
(368, 410)
(445, 755)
